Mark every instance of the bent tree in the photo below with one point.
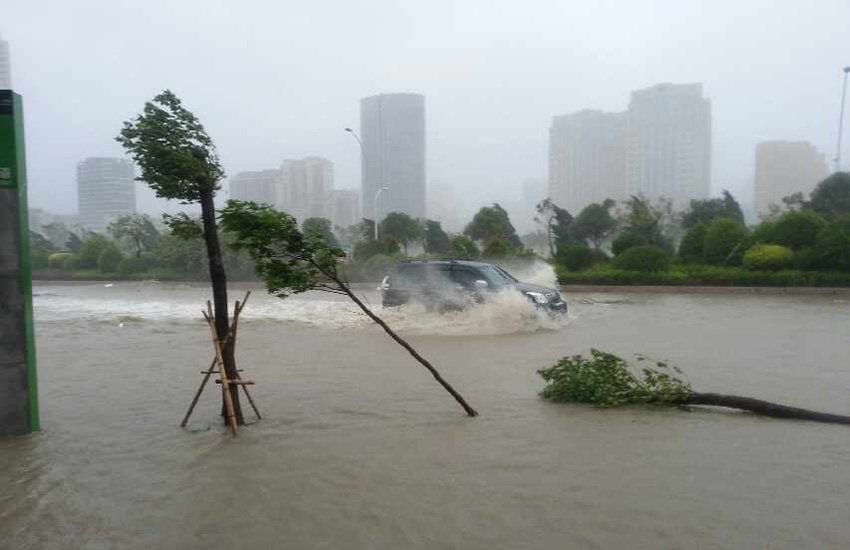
(291, 262)
(179, 161)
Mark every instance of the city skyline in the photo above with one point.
(660, 146)
(489, 101)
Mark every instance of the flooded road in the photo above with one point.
(360, 448)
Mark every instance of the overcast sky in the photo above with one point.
(281, 79)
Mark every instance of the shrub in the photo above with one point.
(832, 247)
(90, 251)
(768, 257)
(575, 257)
(626, 240)
(723, 244)
(57, 261)
(797, 229)
(763, 233)
(643, 258)
(109, 259)
(133, 264)
(366, 249)
(376, 267)
(692, 246)
(496, 247)
(39, 259)
(599, 257)
(72, 263)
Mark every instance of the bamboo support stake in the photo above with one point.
(237, 310)
(225, 387)
(214, 369)
(209, 372)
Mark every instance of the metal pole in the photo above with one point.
(841, 121)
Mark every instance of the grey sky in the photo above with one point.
(274, 80)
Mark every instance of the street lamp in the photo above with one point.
(382, 188)
(841, 121)
(377, 196)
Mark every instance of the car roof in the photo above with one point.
(436, 262)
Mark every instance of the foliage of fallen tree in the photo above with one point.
(606, 380)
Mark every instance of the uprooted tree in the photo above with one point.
(291, 262)
(606, 380)
(178, 160)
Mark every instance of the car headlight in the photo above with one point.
(537, 297)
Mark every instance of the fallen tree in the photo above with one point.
(606, 380)
(288, 262)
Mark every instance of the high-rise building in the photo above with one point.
(784, 168)
(308, 188)
(392, 128)
(668, 152)
(345, 206)
(5, 66)
(261, 186)
(587, 158)
(106, 190)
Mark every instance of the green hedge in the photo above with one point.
(705, 276)
(768, 257)
(649, 259)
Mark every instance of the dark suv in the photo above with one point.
(454, 284)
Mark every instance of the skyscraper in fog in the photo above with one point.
(345, 208)
(309, 185)
(587, 158)
(668, 152)
(392, 127)
(659, 147)
(5, 66)
(784, 168)
(106, 190)
(260, 186)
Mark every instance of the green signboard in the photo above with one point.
(16, 273)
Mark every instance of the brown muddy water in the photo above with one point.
(360, 448)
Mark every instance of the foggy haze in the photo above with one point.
(275, 80)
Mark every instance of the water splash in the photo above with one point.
(508, 312)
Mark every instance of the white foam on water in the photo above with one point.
(507, 312)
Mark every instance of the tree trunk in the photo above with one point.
(758, 406)
(403, 343)
(218, 280)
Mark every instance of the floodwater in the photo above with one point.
(360, 448)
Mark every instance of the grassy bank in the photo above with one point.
(705, 276)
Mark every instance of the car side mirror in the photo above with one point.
(481, 284)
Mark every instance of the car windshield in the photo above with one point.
(495, 277)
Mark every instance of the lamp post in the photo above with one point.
(362, 161)
(378, 196)
(841, 121)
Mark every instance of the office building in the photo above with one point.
(587, 159)
(308, 186)
(260, 186)
(784, 168)
(392, 128)
(345, 207)
(5, 66)
(659, 147)
(668, 152)
(106, 190)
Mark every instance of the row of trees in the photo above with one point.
(807, 234)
